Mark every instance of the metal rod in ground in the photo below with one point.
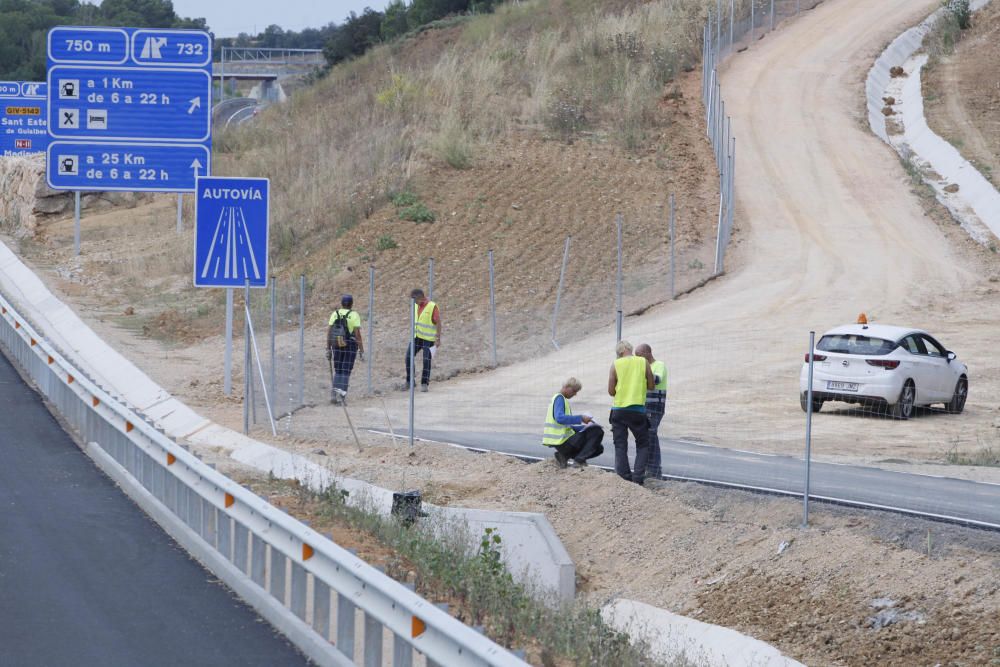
(246, 362)
(371, 324)
(709, 108)
(388, 421)
(493, 310)
(718, 237)
(343, 402)
(673, 243)
(751, 23)
(413, 363)
(718, 29)
(302, 340)
(618, 279)
(260, 371)
(809, 415)
(430, 279)
(227, 359)
(562, 278)
(76, 223)
(732, 18)
(772, 15)
(274, 357)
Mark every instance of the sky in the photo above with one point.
(228, 18)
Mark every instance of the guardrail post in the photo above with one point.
(258, 560)
(373, 642)
(300, 581)
(345, 626)
(321, 608)
(402, 652)
(277, 586)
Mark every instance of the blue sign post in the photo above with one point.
(119, 94)
(23, 110)
(231, 231)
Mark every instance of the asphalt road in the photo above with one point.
(86, 578)
(941, 497)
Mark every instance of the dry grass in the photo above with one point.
(337, 150)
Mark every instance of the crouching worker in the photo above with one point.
(572, 436)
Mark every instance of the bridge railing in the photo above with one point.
(308, 587)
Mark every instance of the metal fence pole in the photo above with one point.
(180, 215)
(413, 363)
(751, 23)
(673, 244)
(718, 29)
(76, 223)
(809, 414)
(797, 7)
(772, 15)
(371, 324)
(272, 384)
(246, 359)
(222, 76)
(302, 340)
(732, 188)
(618, 327)
(562, 277)
(227, 359)
(732, 18)
(493, 310)
(430, 279)
(710, 107)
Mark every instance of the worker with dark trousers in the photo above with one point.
(629, 380)
(343, 345)
(426, 336)
(572, 437)
(656, 407)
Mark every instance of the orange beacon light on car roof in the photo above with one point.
(862, 319)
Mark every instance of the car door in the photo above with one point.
(918, 366)
(943, 376)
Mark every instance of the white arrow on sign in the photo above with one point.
(195, 104)
(196, 165)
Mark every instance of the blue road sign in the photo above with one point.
(22, 118)
(142, 94)
(231, 230)
(79, 165)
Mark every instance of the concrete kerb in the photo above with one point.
(670, 635)
(532, 550)
(976, 204)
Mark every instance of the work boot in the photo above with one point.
(580, 464)
(423, 388)
(560, 459)
(334, 398)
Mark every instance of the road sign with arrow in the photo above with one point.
(130, 109)
(231, 231)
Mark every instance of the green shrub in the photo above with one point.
(404, 198)
(385, 242)
(960, 12)
(417, 213)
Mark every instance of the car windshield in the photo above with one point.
(855, 344)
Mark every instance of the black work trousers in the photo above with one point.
(623, 422)
(343, 364)
(583, 445)
(424, 346)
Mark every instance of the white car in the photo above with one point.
(891, 368)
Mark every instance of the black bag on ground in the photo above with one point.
(339, 333)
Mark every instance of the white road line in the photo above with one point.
(253, 259)
(211, 249)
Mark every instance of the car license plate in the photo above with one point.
(842, 386)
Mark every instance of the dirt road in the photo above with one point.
(827, 228)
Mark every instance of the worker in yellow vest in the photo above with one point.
(576, 437)
(426, 336)
(629, 380)
(656, 407)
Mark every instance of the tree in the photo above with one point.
(395, 22)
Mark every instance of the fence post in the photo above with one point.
(673, 243)
(562, 277)
(797, 7)
(413, 363)
(302, 339)
(618, 327)
(430, 279)
(809, 414)
(750, 43)
(732, 189)
(772, 16)
(227, 358)
(371, 324)
(710, 107)
(732, 18)
(718, 30)
(493, 310)
(246, 358)
(718, 237)
(272, 384)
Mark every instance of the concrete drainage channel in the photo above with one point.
(247, 543)
(896, 115)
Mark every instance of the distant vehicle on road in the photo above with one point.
(893, 369)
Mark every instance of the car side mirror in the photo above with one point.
(951, 356)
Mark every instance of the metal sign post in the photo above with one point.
(76, 223)
(302, 339)
(180, 213)
(809, 414)
(371, 324)
(227, 384)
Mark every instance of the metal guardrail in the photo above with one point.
(249, 544)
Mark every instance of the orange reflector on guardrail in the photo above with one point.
(417, 627)
(128, 427)
(51, 360)
(171, 459)
(69, 379)
(230, 500)
(4, 311)
(307, 551)
(96, 401)
(17, 325)
(33, 342)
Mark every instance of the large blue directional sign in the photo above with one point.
(130, 108)
(22, 118)
(231, 230)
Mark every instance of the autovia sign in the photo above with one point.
(129, 108)
(231, 230)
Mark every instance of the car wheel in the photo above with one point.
(957, 402)
(804, 404)
(903, 409)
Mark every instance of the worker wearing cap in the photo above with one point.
(628, 382)
(656, 407)
(343, 345)
(426, 336)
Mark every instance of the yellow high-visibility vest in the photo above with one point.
(631, 388)
(424, 327)
(659, 390)
(555, 433)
